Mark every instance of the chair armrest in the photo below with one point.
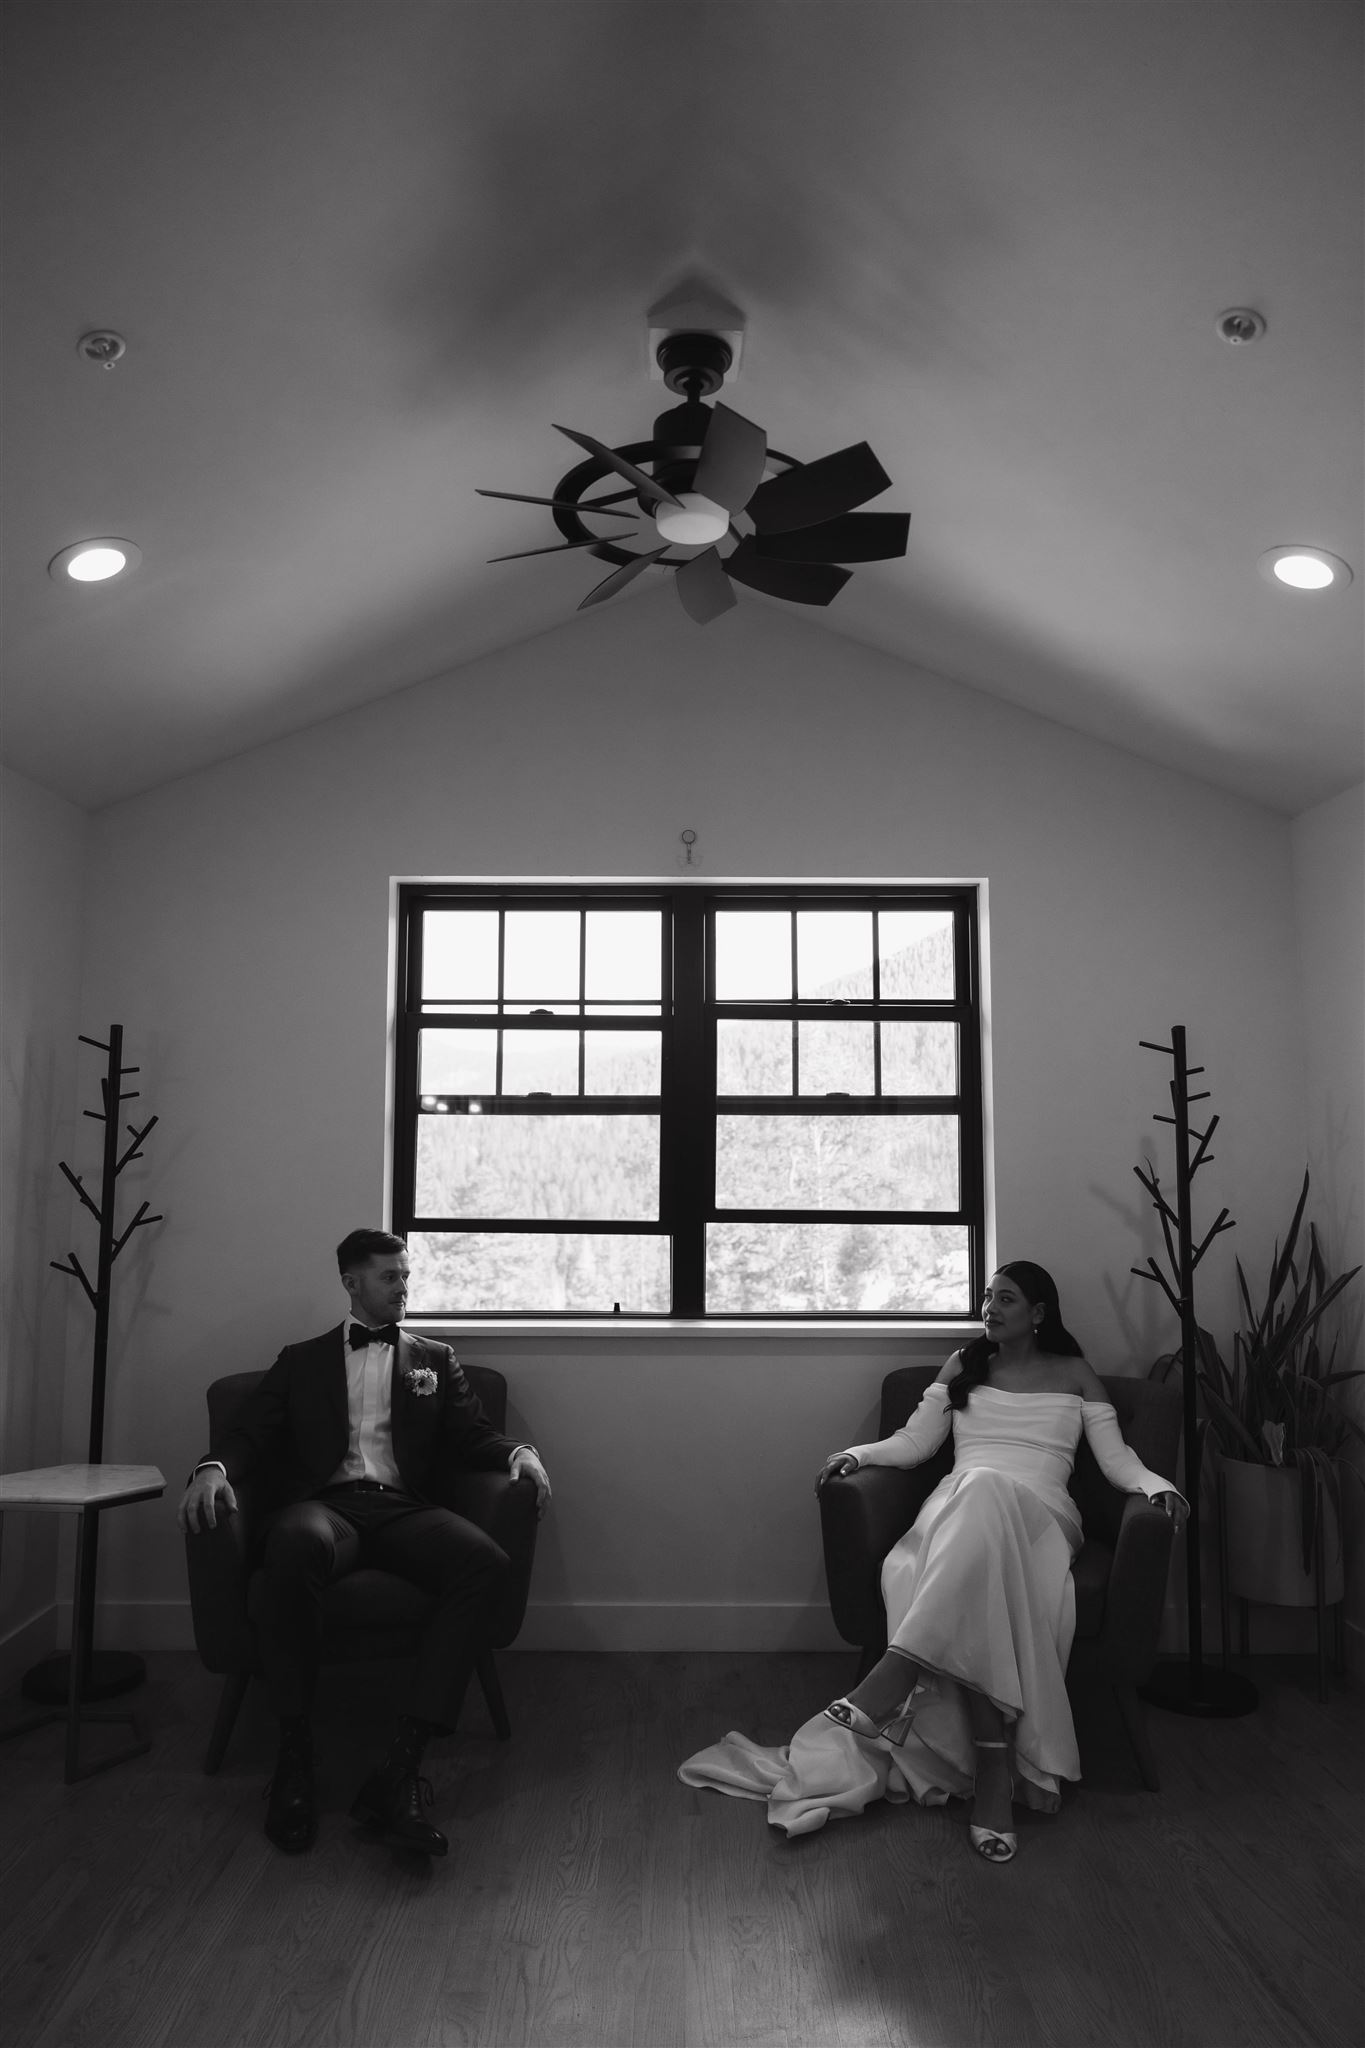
(216, 1560)
(862, 1516)
(505, 1509)
(1136, 1597)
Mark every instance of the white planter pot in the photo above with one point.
(1265, 1538)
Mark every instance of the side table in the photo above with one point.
(82, 1490)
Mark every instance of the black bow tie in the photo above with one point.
(387, 1333)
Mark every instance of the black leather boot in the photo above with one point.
(391, 1799)
(291, 1817)
(390, 1803)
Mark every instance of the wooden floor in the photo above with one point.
(591, 1901)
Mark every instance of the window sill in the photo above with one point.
(806, 1330)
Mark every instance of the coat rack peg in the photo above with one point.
(1202, 1153)
(1189, 1688)
(99, 1043)
(1221, 1222)
(1152, 1046)
(1151, 1271)
(75, 1181)
(140, 1218)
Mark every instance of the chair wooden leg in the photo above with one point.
(230, 1700)
(492, 1692)
(1135, 1723)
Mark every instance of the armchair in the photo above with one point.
(368, 1614)
(1120, 1570)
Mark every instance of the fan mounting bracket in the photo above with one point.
(694, 364)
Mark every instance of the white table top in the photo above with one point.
(80, 1486)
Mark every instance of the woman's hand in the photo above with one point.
(1174, 1506)
(836, 1467)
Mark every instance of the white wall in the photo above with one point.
(1329, 885)
(42, 890)
(240, 930)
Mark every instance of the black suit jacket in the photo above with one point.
(294, 1429)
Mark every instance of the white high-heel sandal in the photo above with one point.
(995, 1846)
(893, 1726)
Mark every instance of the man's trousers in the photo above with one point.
(313, 1542)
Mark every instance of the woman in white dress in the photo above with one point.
(970, 1697)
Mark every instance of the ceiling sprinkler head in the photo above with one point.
(1241, 324)
(102, 346)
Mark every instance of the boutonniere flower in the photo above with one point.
(420, 1379)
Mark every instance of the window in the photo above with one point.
(731, 1102)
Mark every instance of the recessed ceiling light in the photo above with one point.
(1303, 568)
(95, 561)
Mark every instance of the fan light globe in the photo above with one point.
(694, 522)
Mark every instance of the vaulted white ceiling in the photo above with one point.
(364, 254)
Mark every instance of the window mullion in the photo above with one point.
(688, 1136)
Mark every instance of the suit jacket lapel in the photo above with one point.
(334, 1381)
(400, 1400)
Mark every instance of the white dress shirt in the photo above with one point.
(369, 1405)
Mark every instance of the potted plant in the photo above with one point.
(1281, 1432)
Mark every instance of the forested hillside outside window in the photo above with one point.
(725, 1102)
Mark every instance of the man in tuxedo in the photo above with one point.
(366, 1423)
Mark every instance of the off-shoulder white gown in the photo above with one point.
(979, 1594)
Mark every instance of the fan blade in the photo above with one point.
(730, 466)
(558, 504)
(798, 582)
(564, 548)
(818, 490)
(856, 537)
(623, 468)
(619, 578)
(704, 587)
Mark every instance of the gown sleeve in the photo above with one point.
(1120, 1464)
(917, 1440)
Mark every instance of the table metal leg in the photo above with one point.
(82, 1624)
(82, 1634)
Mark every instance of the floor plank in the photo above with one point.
(592, 1901)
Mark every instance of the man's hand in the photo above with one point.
(836, 1467)
(1174, 1506)
(208, 1493)
(526, 1465)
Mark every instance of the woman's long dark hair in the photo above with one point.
(1039, 1289)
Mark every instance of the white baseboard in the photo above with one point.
(679, 1625)
(146, 1625)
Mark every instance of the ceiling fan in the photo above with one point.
(713, 481)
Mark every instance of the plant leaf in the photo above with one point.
(1234, 1431)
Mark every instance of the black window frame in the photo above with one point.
(688, 1104)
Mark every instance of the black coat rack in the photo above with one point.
(1190, 1687)
(112, 1671)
